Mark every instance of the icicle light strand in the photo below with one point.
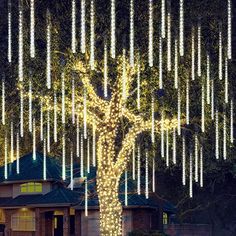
(21, 44)
(201, 167)
(73, 100)
(153, 174)
(48, 131)
(85, 114)
(81, 156)
(226, 82)
(138, 87)
(48, 50)
(193, 53)
(220, 52)
(92, 35)
(153, 120)
(212, 100)
(5, 159)
(167, 149)
(113, 29)
(126, 189)
(187, 101)
(181, 28)
(44, 160)
(55, 118)
(73, 27)
(229, 29)
(217, 135)
(183, 161)
(83, 30)
(174, 146)
(139, 172)
(86, 197)
(162, 135)
(32, 29)
(163, 18)
(176, 65)
(160, 64)
(21, 113)
(203, 108)
(34, 140)
(94, 144)
(77, 136)
(199, 36)
(30, 106)
(17, 154)
(71, 171)
(12, 143)
(231, 121)
(105, 74)
(3, 102)
(131, 44)
(224, 137)
(196, 157)
(88, 155)
(179, 112)
(169, 37)
(150, 34)
(9, 32)
(146, 177)
(133, 162)
(208, 80)
(41, 120)
(63, 156)
(63, 112)
(190, 175)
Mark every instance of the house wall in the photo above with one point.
(5, 191)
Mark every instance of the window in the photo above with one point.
(165, 218)
(31, 187)
(23, 220)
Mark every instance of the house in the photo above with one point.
(30, 205)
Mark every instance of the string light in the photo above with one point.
(34, 140)
(212, 100)
(21, 44)
(5, 159)
(63, 112)
(232, 121)
(86, 197)
(12, 143)
(220, 52)
(17, 154)
(229, 48)
(224, 137)
(169, 37)
(187, 101)
(191, 176)
(176, 64)
(183, 161)
(126, 189)
(153, 120)
(9, 32)
(48, 49)
(92, 35)
(94, 144)
(73, 100)
(32, 31)
(44, 160)
(55, 118)
(85, 113)
(181, 27)
(162, 135)
(113, 29)
(163, 20)
(208, 80)
(82, 156)
(83, 31)
(203, 108)
(105, 74)
(138, 87)
(167, 148)
(41, 120)
(199, 33)
(201, 167)
(71, 171)
(193, 53)
(133, 161)
(3, 102)
(131, 44)
(63, 156)
(21, 113)
(88, 155)
(138, 172)
(150, 34)
(153, 174)
(217, 135)
(146, 177)
(160, 64)
(48, 131)
(179, 112)
(196, 157)
(77, 136)
(226, 82)
(174, 146)
(73, 27)
(30, 106)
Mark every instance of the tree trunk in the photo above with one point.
(110, 206)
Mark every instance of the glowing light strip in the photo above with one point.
(133, 161)
(113, 29)
(9, 32)
(71, 171)
(41, 120)
(5, 159)
(17, 154)
(174, 146)
(126, 189)
(212, 100)
(83, 31)
(162, 135)
(20, 56)
(193, 53)
(203, 108)
(163, 20)
(153, 174)
(85, 113)
(179, 112)
(92, 35)
(153, 120)
(226, 82)
(150, 34)
(48, 50)
(105, 74)
(138, 172)
(181, 28)
(12, 143)
(131, 44)
(63, 112)
(187, 101)
(3, 102)
(196, 157)
(63, 156)
(160, 64)
(199, 32)
(32, 30)
(34, 140)
(191, 176)
(176, 64)
(201, 167)
(73, 27)
(94, 145)
(208, 80)
(73, 101)
(88, 155)
(86, 197)
(217, 135)
(138, 87)
(81, 156)
(232, 121)
(167, 149)
(30, 106)
(44, 160)
(169, 38)
(224, 137)
(146, 177)
(220, 53)
(48, 131)
(77, 136)
(183, 161)
(21, 113)
(229, 29)
(55, 117)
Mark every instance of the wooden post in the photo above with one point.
(66, 222)
(77, 223)
(38, 226)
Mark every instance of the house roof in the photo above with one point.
(31, 169)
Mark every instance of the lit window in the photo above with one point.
(31, 187)
(2, 217)
(165, 218)
(23, 220)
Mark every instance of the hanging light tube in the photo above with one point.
(73, 27)
(63, 156)
(160, 64)
(55, 118)
(113, 29)
(131, 36)
(229, 30)
(224, 137)
(217, 135)
(92, 35)
(32, 29)
(183, 161)
(146, 177)
(181, 28)
(196, 157)
(34, 140)
(17, 154)
(231, 121)
(9, 32)
(48, 50)
(83, 31)
(21, 44)
(21, 113)
(150, 34)
(30, 106)
(208, 80)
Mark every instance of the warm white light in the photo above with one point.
(44, 160)
(203, 108)
(232, 121)
(73, 100)
(181, 27)
(94, 145)
(162, 135)
(105, 74)
(212, 100)
(160, 64)
(226, 82)
(133, 161)
(201, 167)
(9, 32)
(199, 35)
(63, 112)
(17, 154)
(83, 31)
(196, 157)
(21, 113)
(21, 44)
(169, 38)
(30, 106)
(179, 112)
(88, 155)
(220, 53)
(146, 177)
(41, 120)
(12, 143)
(224, 137)
(48, 49)
(208, 80)
(55, 117)
(191, 175)
(138, 172)
(3, 102)
(82, 156)
(131, 36)
(167, 149)
(153, 120)
(86, 197)
(150, 35)
(176, 64)
(163, 18)
(32, 30)
(217, 135)
(48, 131)
(174, 146)
(138, 87)
(63, 156)
(34, 140)
(187, 101)
(126, 189)
(77, 136)
(113, 29)
(153, 174)
(71, 171)
(193, 53)
(92, 35)
(73, 27)
(5, 159)
(183, 161)
(85, 113)
(229, 46)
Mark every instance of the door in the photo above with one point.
(58, 225)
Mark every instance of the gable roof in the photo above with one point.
(31, 169)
